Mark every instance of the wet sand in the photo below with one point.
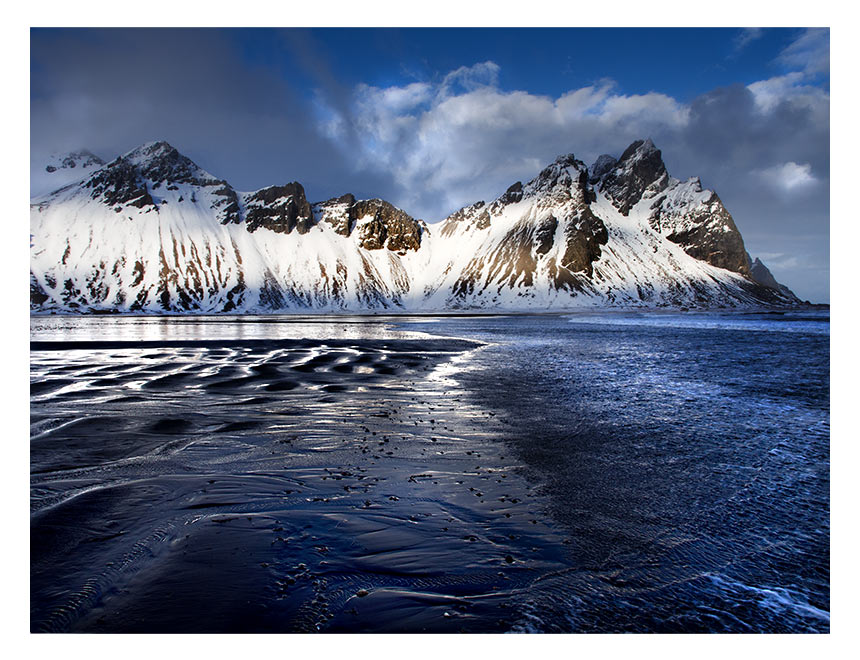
(275, 485)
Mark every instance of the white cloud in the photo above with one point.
(810, 52)
(791, 89)
(461, 138)
(807, 56)
(483, 74)
(789, 177)
(769, 93)
(746, 37)
(447, 142)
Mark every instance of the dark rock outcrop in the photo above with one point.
(760, 274)
(639, 169)
(279, 209)
(545, 234)
(390, 227)
(584, 235)
(161, 163)
(130, 179)
(382, 225)
(120, 184)
(513, 194)
(714, 238)
(705, 230)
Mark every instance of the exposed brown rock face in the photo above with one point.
(514, 261)
(511, 264)
(584, 235)
(279, 209)
(383, 225)
(706, 231)
(709, 241)
(390, 227)
(639, 169)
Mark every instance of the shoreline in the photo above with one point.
(475, 313)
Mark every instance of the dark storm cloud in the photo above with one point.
(771, 167)
(111, 90)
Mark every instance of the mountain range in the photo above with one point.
(151, 231)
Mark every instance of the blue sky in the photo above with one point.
(433, 119)
(676, 61)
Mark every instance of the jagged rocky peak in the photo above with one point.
(683, 212)
(563, 171)
(639, 173)
(695, 218)
(378, 224)
(280, 209)
(512, 195)
(120, 184)
(159, 162)
(564, 179)
(761, 274)
(133, 179)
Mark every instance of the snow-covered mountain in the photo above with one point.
(152, 231)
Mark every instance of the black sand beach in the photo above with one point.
(272, 486)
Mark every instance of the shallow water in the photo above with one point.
(582, 473)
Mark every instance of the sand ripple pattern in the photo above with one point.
(273, 486)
